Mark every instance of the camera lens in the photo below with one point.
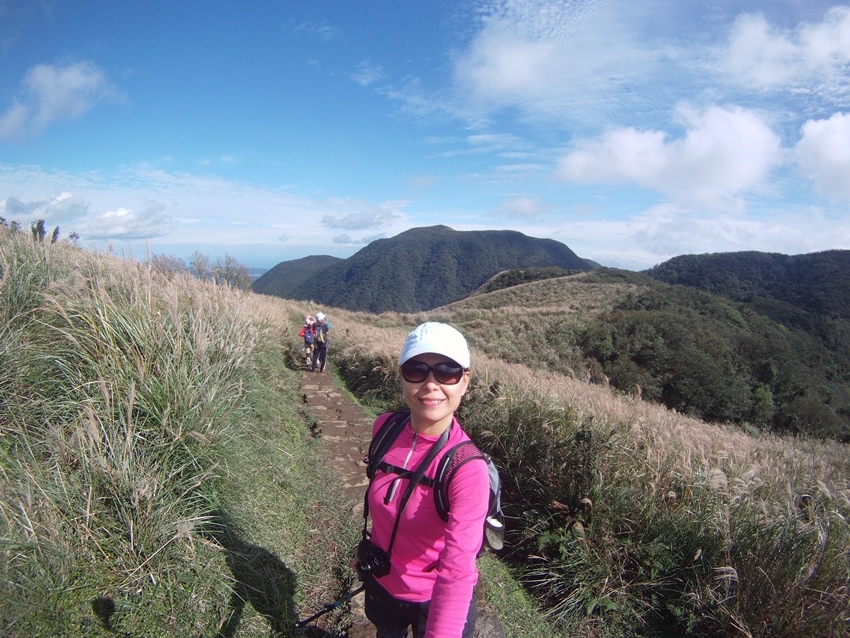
(373, 560)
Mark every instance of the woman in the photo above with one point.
(431, 573)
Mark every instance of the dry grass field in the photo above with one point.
(138, 407)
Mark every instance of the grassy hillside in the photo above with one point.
(627, 519)
(153, 456)
(149, 470)
(701, 354)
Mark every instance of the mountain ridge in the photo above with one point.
(761, 362)
(418, 269)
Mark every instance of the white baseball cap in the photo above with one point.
(436, 338)
(320, 316)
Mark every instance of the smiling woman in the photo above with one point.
(419, 569)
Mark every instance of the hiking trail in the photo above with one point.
(345, 430)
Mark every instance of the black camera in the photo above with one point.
(372, 559)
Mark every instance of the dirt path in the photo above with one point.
(345, 430)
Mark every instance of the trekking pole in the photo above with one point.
(330, 607)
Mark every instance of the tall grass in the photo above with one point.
(156, 467)
(119, 387)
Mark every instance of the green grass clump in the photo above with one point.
(120, 391)
(152, 480)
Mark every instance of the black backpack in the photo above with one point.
(455, 457)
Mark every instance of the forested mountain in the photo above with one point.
(285, 278)
(704, 354)
(419, 269)
(804, 348)
(816, 283)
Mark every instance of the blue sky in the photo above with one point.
(269, 130)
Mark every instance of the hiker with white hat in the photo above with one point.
(418, 568)
(320, 343)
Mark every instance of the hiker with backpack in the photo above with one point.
(418, 561)
(320, 343)
(308, 335)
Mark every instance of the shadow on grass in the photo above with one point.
(261, 579)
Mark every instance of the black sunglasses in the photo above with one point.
(444, 373)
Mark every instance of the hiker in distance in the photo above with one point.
(418, 569)
(308, 335)
(320, 343)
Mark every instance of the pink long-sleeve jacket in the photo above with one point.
(431, 559)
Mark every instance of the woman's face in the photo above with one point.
(432, 404)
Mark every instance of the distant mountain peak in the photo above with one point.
(418, 269)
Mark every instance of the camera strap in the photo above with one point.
(414, 479)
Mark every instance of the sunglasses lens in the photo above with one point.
(414, 371)
(447, 374)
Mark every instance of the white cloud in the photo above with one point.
(505, 144)
(520, 207)
(75, 214)
(367, 73)
(505, 70)
(62, 209)
(187, 210)
(661, 232)
(13, 121)
(127, 224)
(324, 31)
(348, 240)
(724, 153)
(555, 61)
(763, 57)
(823, 154)
(53, 93)
(361, 215)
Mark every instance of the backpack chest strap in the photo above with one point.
(388, 468)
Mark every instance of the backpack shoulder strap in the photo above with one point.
(383, 439)
(380, 443)
(455, 457)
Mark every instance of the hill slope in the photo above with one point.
(700, 353)
(817, 283)
(285, 278)
(423, 268)
(153, 482)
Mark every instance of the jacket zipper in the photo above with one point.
(394, 485)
